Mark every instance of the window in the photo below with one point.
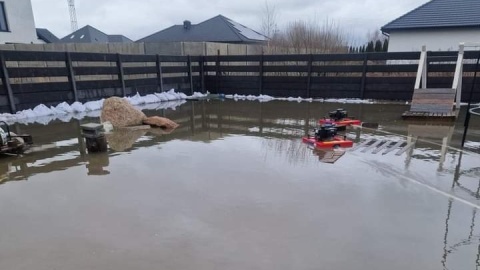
(3, 18)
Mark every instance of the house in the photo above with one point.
(89, 34)
(45, 36)
(439, 24)
(217, 29)
(17, 24)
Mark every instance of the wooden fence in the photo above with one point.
(32, 78)
(387, 76)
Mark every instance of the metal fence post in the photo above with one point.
(309, 79)
(6, 84)
(159, 74)
(190, 77)
(120, 73)
(364, 76)
(260, 75)
(201, 63)
(71, 75)
(217, 72)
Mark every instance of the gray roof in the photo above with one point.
(86, 34)
(119, 39)
(46, 35)
(216, 29)
(89, 34)
(439, 14)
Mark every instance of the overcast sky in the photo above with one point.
(137, 19)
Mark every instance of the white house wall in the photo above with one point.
(435, 40)
(20, 21)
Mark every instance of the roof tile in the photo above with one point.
(216, 29)
(439, 14)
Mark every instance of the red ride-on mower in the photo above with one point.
(340, 119)
(326, 137)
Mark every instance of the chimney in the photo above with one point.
(187, 25)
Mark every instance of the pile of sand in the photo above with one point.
(162, 122)
(120, 113)
(129, 123)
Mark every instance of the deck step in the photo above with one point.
(430, 91)
(444, 116)
(432, 103)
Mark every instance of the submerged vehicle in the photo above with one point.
(11, 143)
(326, 137)
(340, 118)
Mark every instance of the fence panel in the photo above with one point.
(30, 78)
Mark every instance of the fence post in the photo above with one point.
(201, 63)
(217, 72)
(6, 84)
(309, 79)
(261, 118)
(190, 77)
(159, 74)
(192, 117)
(260, 75)
(120, 73)
(71, 75)
(364, 76)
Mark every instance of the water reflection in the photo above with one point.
(293, 190)
(5, 169)
(97, 163)
(283, 123)
(121, 140)
(451, 247)
(445, 241)
(328, 155)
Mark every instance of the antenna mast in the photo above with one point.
(73, 15)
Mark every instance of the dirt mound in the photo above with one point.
(121, 113)
(162, 122)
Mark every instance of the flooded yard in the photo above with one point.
(234, 187)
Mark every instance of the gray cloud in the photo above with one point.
(137, 19)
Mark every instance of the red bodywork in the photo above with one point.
(340, 123)
(336, 141)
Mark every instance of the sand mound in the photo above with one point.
(157, 121)
(121, 113)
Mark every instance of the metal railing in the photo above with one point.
(470, 110)
(473, 111)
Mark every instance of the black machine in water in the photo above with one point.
(338, 114)
(326, 132)
(339, 117)
(326, 137)
(11, 143)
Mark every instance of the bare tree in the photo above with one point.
(311, 37)
(269, 20)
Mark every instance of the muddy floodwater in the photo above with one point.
(234, 187)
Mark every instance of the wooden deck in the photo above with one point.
(409, 115)
(432, 104)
